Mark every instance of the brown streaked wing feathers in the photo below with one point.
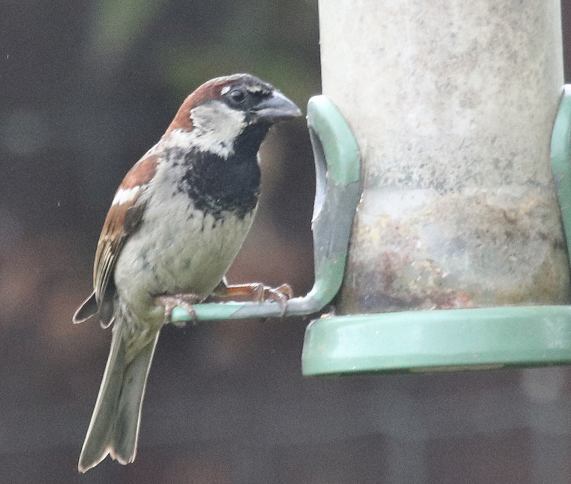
(121, 221)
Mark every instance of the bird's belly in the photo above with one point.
(187, 252)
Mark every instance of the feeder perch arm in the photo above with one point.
(337, 173)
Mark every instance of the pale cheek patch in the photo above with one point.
(125, 195)
(216, 127)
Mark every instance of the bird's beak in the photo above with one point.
(276, 108)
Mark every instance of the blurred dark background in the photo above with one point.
(86, 88)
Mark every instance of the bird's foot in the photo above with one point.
(255, 291)
(185, 301)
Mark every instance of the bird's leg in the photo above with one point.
(171, 301)
(254, 291)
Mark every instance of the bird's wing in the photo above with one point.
(122, 220)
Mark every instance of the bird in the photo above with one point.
(176, 223)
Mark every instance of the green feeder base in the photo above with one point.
(440, 340)
(453, 339)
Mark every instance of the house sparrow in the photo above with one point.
(174, 227)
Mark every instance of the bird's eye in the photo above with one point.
(237, 95)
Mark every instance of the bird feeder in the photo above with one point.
(436, 216)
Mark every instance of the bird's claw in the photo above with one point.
(185, 301)
(280, 295)
(255, 292)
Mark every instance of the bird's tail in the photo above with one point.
(114, 425)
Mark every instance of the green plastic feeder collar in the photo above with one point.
(460, 339)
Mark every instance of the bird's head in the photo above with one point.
(231, 110)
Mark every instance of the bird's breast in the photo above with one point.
(179, 247)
